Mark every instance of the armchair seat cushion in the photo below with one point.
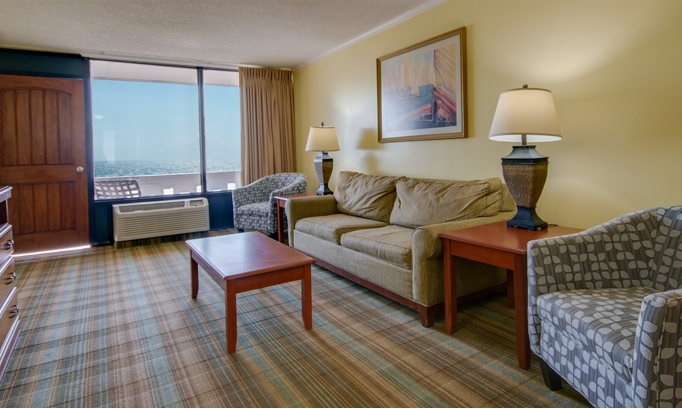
(602, 322)
(332, 227)
(392, 244)
(254, 209)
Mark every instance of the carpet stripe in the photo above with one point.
(118, 328)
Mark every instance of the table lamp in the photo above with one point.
(525, 115)
(323, 139)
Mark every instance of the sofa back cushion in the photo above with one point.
(421, 202)
(367, 196)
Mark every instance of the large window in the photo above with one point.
(147, 134)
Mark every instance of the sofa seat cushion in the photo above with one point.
(602, 322)
(332, 227)
(255, 209)
(392, 244)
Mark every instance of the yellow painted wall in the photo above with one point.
(614, 67)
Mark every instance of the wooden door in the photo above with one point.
(43, 158)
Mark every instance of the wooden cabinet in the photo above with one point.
(9, 306)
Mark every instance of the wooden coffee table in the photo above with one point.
(245, 262)
(501, 246)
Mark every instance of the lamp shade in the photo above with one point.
(525, 111)
(322, 139)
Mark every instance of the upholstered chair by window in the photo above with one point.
(254, 205)
(605, 309)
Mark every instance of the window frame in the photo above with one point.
(202, 139)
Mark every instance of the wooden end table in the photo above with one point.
(249, 261)
(281, 202)
(501, 246)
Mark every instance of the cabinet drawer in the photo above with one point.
(6, 244)
(9, 314)
(7, 278)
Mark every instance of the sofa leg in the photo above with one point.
(552, 379)
(427, 316)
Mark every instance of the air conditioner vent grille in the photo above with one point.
(155, 219)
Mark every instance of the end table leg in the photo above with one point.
(195, 276)
(280, 222)
(521, 307)
(510, 288)
(231, 315)
(450, 281)
(306, 298)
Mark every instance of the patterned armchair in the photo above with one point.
(254, 206)
(605, 309)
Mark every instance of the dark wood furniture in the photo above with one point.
(501, 246)
(281, 203)
(249, 261)
(9, 309)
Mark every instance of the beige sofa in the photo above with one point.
(382, 232)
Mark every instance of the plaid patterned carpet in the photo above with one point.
(118, 328)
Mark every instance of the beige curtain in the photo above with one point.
(267, 113)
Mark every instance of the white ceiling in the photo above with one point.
(271, 33)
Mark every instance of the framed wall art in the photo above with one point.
(422, 90)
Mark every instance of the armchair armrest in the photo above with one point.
(295, 188)
(302, 207)
(656, 376)
(258, 191)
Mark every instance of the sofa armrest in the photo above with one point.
(302, 207)
(426, 243)
(656, 379)
(427, 256)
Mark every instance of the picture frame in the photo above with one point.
(422, 90)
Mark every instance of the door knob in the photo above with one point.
(79, 169)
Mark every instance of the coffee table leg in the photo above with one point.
(306, 298)
(195, 276)
(231, 315)
(450, 281)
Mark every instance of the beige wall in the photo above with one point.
(614, 67)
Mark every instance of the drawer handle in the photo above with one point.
(10, 279)
(15, 311)
(8, 245)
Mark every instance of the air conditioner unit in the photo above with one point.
(135, 221)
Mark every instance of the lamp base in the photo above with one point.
(526, 218)
(324, 190)
(324, 164)
(525, 172)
